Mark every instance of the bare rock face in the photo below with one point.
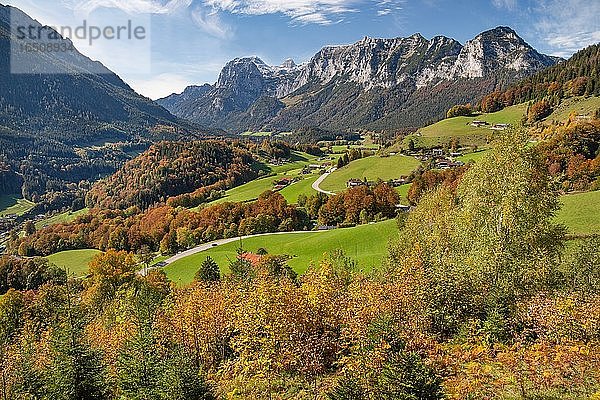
(498, 49)
(380, 72)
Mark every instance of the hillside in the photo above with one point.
(460, 128)
(372, 169)
(581, 213)
(81, 102)
(71, 118)
(580, 106)
(290, 170)
(171, 169)
(305, 249)
(578, 76)
(379, 84)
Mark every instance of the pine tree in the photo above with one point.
(76, 370)
(139, 367)
(406, 376)
(208, 272)
(347, 389)
(181, 380)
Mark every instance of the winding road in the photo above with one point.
(207, 246)
(316, 186)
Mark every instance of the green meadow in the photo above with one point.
(251, 190)
(75, 261)
(366, 244)
(578, 105)
(61, 218)
(14, 204)
(581, 213)
(372, 168)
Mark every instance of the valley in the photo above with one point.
(402, 218)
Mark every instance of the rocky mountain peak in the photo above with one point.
(288, 64)
(373, 65)
(497, 49)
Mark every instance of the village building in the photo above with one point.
(500, 127)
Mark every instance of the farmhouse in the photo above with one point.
(398, 182)
(445, 163)
(282, 184)
(478, 124)
(355, 183)
(500, 127)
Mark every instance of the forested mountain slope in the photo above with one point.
(61, 108)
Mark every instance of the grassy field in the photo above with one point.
(371, 168)
(265, 134)
(459, 126)
(75, 261)
(251, 190)
(580, 105)
(581, 213)
(343, 149)
(62, 218)
(305, 248)
(257, 134)
(403, 192)
(473, 156)
(292, 192)
(14, 204)
(441, 132)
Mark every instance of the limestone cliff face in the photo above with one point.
(371, 66)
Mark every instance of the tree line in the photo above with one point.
(479, 298)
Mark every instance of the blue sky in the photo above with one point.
(190, 40)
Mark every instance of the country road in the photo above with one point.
(316, 186)
(221, 242)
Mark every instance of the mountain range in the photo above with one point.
(376, 84)
(78, 101)
(60, 110)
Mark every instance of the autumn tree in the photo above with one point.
(109, 272)
(29, 228)
(459, 110)
(490, 242)
(583, 272)
(539, 110)
(11, 320)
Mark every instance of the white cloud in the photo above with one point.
(206, 12)
(161, 85)
(131, 6)
(321, 12)
(568, 25)
(211, 23)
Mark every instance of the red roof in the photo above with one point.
(254, 259)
